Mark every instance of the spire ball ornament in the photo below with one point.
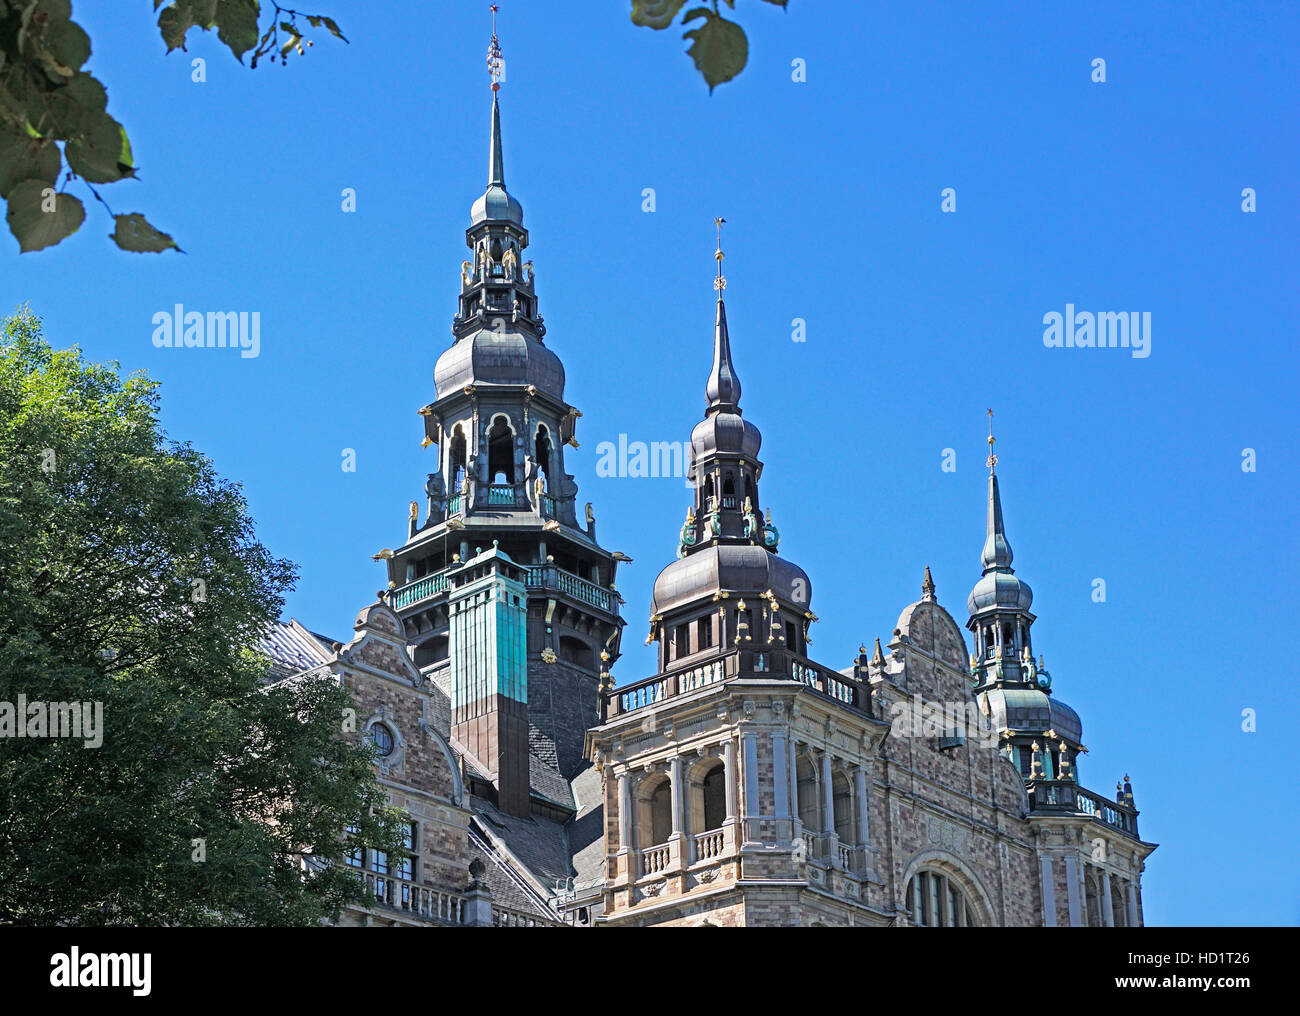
(720, 283)
(993, 459)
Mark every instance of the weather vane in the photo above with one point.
(496, 65)
(720, 283)
(993, 459)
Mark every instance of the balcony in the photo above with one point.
(430, 585)
(501, 494)
(1065, 797)
(541, 576)
(655, 859)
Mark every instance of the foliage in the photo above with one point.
(130, 575)
(48, 100)
(719, 47)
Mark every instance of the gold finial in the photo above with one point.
(496, 66)
(720, 283)
(993, 459)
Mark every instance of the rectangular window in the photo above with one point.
(704, 632)
(681, 641)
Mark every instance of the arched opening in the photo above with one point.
(501, 453)
(937, 900)
(807, 791)
(1093, 903)
(1008, 639)
(751, 492)
(542, 456)
(707, 804)
(1118, 906)
(456, 462)
(715, 797)
(708, 493)
(654, 820)
(729, 492)
(988, 642)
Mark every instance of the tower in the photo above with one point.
(1089, 854)
(507, 600)
(736, 778)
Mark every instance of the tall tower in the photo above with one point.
(1089, 854)
(508, 601)
(736, 778)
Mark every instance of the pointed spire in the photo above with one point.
(997, 554)
(496, 161)
(927, 585)
(723, 389)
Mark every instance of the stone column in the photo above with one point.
(675, 784)
(1133, 921)
(792, 772)
(1072, 889)
(1107, 913)
(860, 793)
(624, 817)
(1048, 880)
(729, 769)
(749, 801)
(828, 795)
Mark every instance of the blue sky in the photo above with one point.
(1117, 196)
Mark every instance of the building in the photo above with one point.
(744, 783)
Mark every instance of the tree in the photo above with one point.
(46, 99)
(719, 47)
(130, 576)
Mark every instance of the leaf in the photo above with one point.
(174, 22)
(87, 92)
(103, 153)
(655, 13)
(36, 228)
(23, 158)
(133, 233)
(237, 25)
(719, 47)
(68, 45)
(334, 28)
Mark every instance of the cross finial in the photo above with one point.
(993, 459)
(720, 283)
(496, 65)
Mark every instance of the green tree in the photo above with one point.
(48, 101)
(130, 576)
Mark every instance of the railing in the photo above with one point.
(775, 663)
(453, 505)
(809, 840)
(709, 845)
(429, 585)
(1068, 796)
(416, 899)
(502, 918)
(825, 681)
(550, 577)
(643, 694)
(654, 859)
(698, 677)
(548, 506)
(501, 494)
(846, 856)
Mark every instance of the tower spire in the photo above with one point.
(723, 389)
(496, 68)
(997, 554)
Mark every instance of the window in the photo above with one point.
(681, 641)
(704, 631)
(382, 738)
(937, 901)
(792, 636)
(501, 453)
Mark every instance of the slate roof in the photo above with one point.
(293, 649)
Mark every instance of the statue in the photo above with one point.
(415, 511)
(465, 268)
(771, 535)
(688, 533)
(751, 519)
(508, 262)
(539, 487)
(591, 515)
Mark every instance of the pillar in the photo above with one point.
(675, 785)
(1048, 880)
(1107, 913)
(624, 814)
(828, 795)
(860, 794)
(729, 767)
(1133, 921)
(780, 780)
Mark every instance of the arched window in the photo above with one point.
(542, 456)
(1118, 906)
(501, 453)
(381, 738)
(456, 465)
(729, 492)
(708, 493)
(654, 812)
(708, 806)
(809, 798)
(937, 901)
